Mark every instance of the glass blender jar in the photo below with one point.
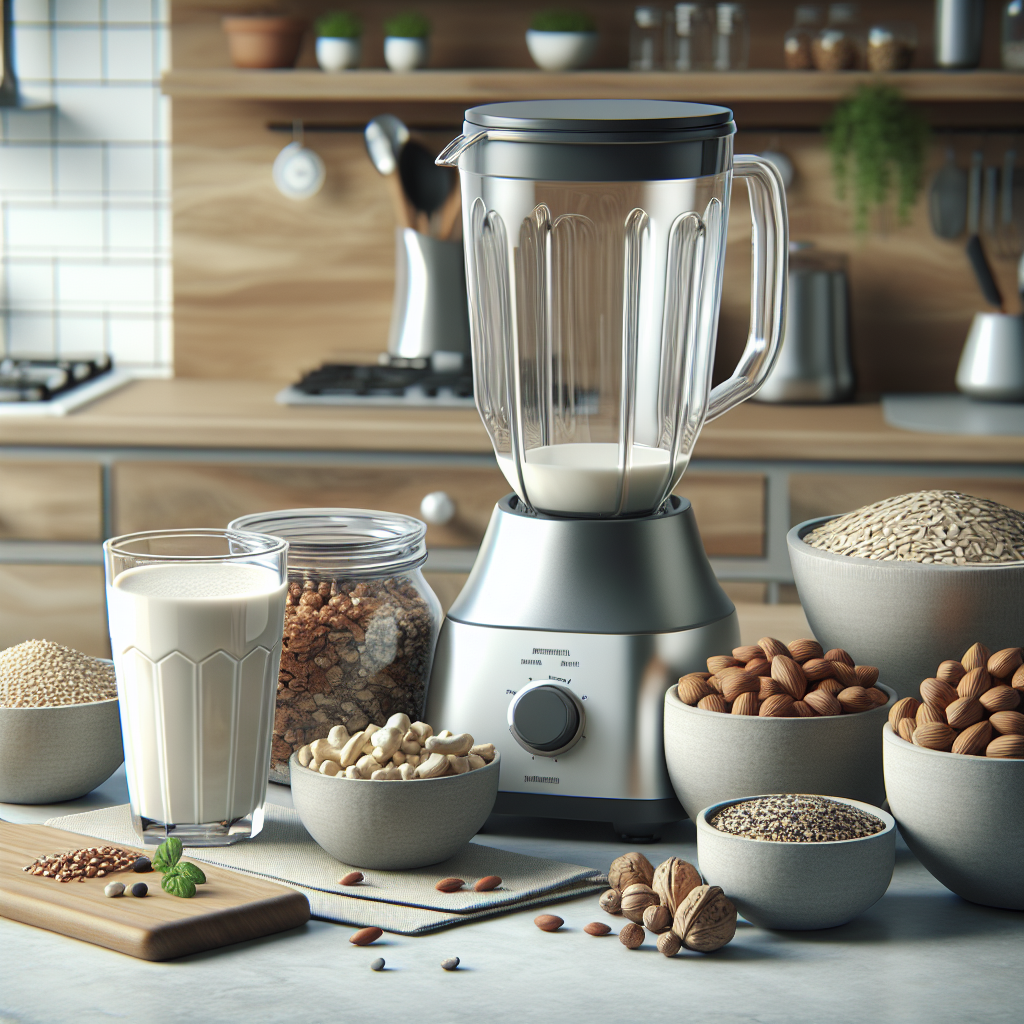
(595, 238)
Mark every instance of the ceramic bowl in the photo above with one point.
(561, 51)
(51, 755)
(406, 54)
(712, 756)
(963, 818)
(906, 618)
(393, 825)
(798, 886)
(338, 54)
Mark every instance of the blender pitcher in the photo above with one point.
(595, 240)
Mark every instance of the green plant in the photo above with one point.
(407, 26)
(562, 21)
(877, 140)
(339, 25)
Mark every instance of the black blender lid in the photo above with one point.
(599, 115)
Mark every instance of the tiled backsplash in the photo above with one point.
(85, 209)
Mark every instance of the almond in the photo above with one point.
(934, 736)
(951, 672)
(974, 683)
(713, 702)
(976, 657)
(838, 654)
(804, 710)
(750, 652)
(449, 885)
(937, 694)
(867, 675)
(846, 674)
(1017, 682)
(772, 647)
(768, 687)
(1000, 698)
(352, 878)
(758, 667)
(789, 675)
(716, 683)
(487, 883)
(964, 711)
(854, 699)
(745, 704)
(803, 650)
(548, 922)
(365, 936)
(719, 661)
(816, 669)
(906, 729)
(1008, 723)
(974, 739)
(736, 681)
(929, 713)
(823, 702)
(778, 705)
(691, 690)
(1006, 746)
(830, 685)
(905, 708)
(1005, 662)
(596, 928)
(880, 697)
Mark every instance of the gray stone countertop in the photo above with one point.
(920, 954)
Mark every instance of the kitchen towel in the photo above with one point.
(397, 901)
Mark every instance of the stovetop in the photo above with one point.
(413, 383)
(41, 380)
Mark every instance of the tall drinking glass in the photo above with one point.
(196, 618)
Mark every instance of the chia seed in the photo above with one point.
(796, 818)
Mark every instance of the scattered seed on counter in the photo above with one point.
(794, 818)
(449, 885)
(142, 865)
(140, 889)
(548, 922)
(352, 878)
(487, 884)
(113, 889)
(596, 928)
(378, 964)
(451, 963)
(365, 936)
(78, 865)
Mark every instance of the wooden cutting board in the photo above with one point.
(231, 907)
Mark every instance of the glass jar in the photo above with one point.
(731, 41)
(796, 44)
(1013, 36)
(360, 622)
(891, 47)
(837, 46)
(645, 39)
(688, 38)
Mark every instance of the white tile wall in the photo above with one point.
(85, 222)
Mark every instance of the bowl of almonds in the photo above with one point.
(954, 774)
(775, 717)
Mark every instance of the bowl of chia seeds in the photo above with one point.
(797, 861)
(910, 581)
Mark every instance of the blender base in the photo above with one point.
(638, 821)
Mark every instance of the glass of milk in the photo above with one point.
(196, 618)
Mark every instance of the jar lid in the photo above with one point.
(348, 541)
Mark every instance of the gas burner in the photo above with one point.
(399, 382)
(41, 380)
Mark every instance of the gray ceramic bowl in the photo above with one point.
(963, 817)
(51, 755)
(393, 825)
(713, 756)
(798, 886)
(904, 617)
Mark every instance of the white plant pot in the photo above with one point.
(561, 51)
(405, 54)
(337, 54)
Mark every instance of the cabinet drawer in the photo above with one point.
(170, 495)
(50, 501)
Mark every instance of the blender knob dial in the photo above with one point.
(546, 718)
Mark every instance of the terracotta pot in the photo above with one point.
(264, 41)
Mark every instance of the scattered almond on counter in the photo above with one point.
(548, 922)
(365, 936)
(449, 885)
(487, 884)
(596, 928)
(352, 878)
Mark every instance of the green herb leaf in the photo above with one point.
(190, 871)
(168, 854)
(177, 884)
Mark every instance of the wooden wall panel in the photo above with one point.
(50, 501)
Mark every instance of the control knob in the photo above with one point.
(546, 718)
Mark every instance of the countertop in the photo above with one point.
(193, 413)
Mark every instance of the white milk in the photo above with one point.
(582, 478)
(197, 649)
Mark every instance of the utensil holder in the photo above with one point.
(992, 364)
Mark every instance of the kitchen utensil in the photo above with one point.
(974, 192)
(815, 363)
(298, 172)
(958, 26)
(992, 362)
(947, 199)
(1008, 235)
(425, 184)
(229, 908)
(595, 235)
(988, 202)
(983, 272)
(386, 136)
(448, 218)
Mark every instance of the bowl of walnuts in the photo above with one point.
(780, 718)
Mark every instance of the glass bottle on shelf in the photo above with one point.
(838, 45)
(688, 38)
(1013, 36)
(645, 39)
(731, 40)
(796, 45)
(890, 47)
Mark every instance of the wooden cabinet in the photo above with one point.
(51, 501)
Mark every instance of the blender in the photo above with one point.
(595, 236)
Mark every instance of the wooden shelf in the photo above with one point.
(475, 86)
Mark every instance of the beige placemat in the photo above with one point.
(397, 901)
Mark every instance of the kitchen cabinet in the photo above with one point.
(42, 500)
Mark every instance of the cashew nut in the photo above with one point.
(385, 743)
(330, 768)
(314, 764)
(413, 759)
(475, 761)
(338, 736)
(484, 750)
(352, 750)
(381, 775)
(323, 750)
(421, 730)
(407, 771)
(305, 755)
(459, 765)
(352, 772)
(445, 733)
(400, 722)
(411, 745)
(369, 744)
(398, 759)
(441, 744)
(367, 765)
(435, 765)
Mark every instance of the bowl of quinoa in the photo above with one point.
(60, 726)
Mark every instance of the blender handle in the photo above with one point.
(769, 275)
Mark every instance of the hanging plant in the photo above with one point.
(877, 141)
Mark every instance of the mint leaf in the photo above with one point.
(193, 873)
(168, 854)
(177, 884)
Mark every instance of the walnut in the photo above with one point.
(611, 901)
(636, 899)
(705, 920)
(674, 879)
(657, 919)
(630, 869)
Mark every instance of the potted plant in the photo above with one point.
(561, 40)
(263, 40)
(877, 140)
(338, 40)
(406, 42)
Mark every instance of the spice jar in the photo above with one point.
(645, 39)
(361, 622)
(1013, 36)
(796, 44)
(837, 45)
(731, 40)
(890, 47)
(688, 38)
